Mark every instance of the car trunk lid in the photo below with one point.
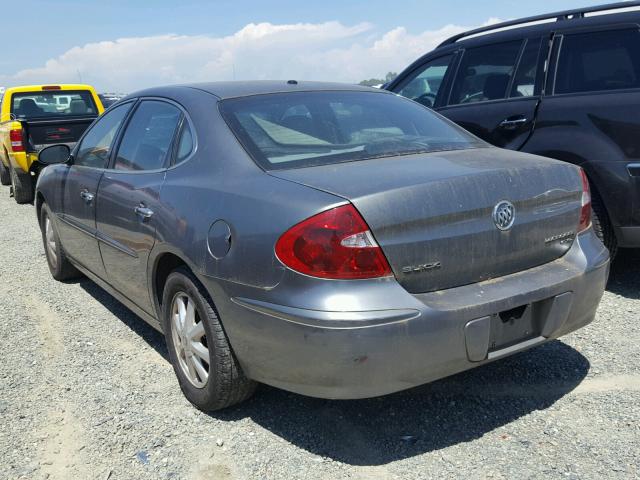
(432, 214)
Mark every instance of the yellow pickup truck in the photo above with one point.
(35, 116)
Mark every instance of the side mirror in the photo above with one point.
(54, 154)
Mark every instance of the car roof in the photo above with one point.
(234, 89)
(601, 15)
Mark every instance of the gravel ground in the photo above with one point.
(87, 393)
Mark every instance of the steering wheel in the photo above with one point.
(426, 99)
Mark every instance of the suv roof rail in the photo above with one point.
(558, 16)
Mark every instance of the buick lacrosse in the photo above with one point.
(331, 240)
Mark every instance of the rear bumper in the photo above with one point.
(378, 339)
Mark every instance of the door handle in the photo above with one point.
(512, 123)
(87, 196)
(143, 212)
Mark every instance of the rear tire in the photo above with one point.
(59, 265)
(22, 186)
(602, 224)
(5, 176)
(208, 372)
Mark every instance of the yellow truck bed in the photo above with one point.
(35, 116)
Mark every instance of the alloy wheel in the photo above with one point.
(190, 340)
(50, 238)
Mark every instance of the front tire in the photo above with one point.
(5, 176)
(22, 184)
(59, 266)
(207, 369)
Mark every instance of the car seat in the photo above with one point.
(78, 107)
(28, 108)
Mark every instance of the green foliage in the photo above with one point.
(372, 82)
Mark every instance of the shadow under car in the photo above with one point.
(381, 430)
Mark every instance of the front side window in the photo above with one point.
(53, 104)
(334, 127)
(425, 82)
(147, 140)
(598, 61)
(95, 147)
(485, 73)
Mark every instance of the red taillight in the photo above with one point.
(585, 212)
(333, 244)
(52, 87)
(15, 136)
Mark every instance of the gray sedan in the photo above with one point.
(331, 240)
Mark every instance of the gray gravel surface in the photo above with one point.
(86, 392)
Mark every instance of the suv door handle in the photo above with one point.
(512, 123)
(143, 212)
(87, 196)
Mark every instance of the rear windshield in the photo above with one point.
(290, 130)
(53, 104)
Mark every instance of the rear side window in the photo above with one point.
(597, 61)
(424, 83)
(148, 137)
(485, 73)
(185, 143)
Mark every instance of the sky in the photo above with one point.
(122, 46)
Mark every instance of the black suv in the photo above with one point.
(564, 85)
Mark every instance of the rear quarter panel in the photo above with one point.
(5, 126)
(221, 182)
(19, 160)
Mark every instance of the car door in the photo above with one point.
(589, 114)
(496, 90)
(129, 197)
(80, 188)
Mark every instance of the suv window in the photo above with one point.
(485, 72)
(424, 83)
(596, 61)
(96, 145)
(148, 137)
(525, 79)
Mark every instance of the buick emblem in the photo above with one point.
(504, 214)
